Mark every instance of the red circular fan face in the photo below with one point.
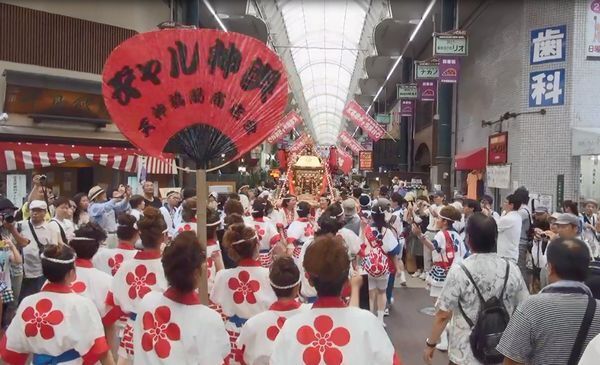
(203, 92)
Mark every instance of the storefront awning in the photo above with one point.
(26, 156)
(471, 160)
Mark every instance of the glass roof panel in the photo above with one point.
(324, 36)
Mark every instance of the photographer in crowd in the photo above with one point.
(103, 211)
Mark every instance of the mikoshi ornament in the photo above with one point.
(208, 94)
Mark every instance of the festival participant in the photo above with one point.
(324, 202)
(331, 332)
(138, 204)
(381, 242)
(174, 327)
(138, 276)
(265, 230)
(244, 199)
(80, 214)
(259, 333)
(168, 210)
(288, 210)
(56, 325)
(149, 198)
(109, 260)
(244, 291)
(62, 223)
(186, 193)
(300, 230)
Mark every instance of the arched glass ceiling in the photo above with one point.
(324, 39)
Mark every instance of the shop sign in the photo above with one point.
(16, 188)
(449, 70)
(427, 90)
(289, 122)
(548, 45)
(498, 149)
(547, 88)
(560, 191)
(498, 176)
(350, 142)
(541, 200)
(344, 162)
(426, 70)
(592, 29)
(357, 114)
(365, 160)
(407, 108)
(407, 91)
(455, 44)
(383, 118)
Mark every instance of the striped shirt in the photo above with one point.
(543, 329)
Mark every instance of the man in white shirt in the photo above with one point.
(434, 210)
(168, 211)
(62, 223)
(509, 229)
(590, 222)
(39, 234)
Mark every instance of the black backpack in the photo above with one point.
(492, 319)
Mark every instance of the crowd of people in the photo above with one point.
(116, 279)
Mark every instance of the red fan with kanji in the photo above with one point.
(209, 94)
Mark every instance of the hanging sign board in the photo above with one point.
(299, 144)
(16, 189)
(289, 122)
(407, 91)
(455, 44)
(357, 114)
(498, 149)
(426, 70)
(344, 162)
(449, 70)
(350, 142)
(498, 176)
(427, 90)
(407, 108)
(365, 160)
(592, 29)
(383, 118)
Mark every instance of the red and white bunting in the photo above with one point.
(357, 114)
(350, 142)
(302, 141)
(27, 156)
(289, 122)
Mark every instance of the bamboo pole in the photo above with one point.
(202, 202)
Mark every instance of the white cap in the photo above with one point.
(38, 204)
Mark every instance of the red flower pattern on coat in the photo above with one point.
(158, 330)
(243, 288)
(323, 341)
(308, 230)
(273, 331)
(260, 232)
(209, 265)
(41, 320)
(78, 287)
(115, 263)
(186, 227)
(139, 281)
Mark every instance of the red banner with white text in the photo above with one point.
(357, 114)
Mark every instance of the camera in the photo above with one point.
(544, 236)
(7, 217)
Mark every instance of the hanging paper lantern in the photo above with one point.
(203, 92)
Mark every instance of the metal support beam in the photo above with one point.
(405, 139)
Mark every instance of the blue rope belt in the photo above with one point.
(266, 250)
(238, 321)
(39, 359)
(132, 316)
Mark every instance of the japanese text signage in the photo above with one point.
(560, 191)
(548, 45)
(498, 148)
(16, 188)
(357, 114)
(407, 108)
(350, 142)
(426, 70)
(427, 90)
(344, 161)
(365, 160)
(407, 91)
(449, 69)
(498, 176)
(547, 88)
(450, 45)
(290, 121)
(227, 88)
(592, 29)
(299, 144)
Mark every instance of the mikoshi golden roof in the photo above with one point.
(308, 161)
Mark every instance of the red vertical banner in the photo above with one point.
(357, 114)
(344, 162)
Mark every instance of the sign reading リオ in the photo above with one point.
(547, 88)
(592, 29)
(548, 45)
(290, 121)
(357, 114)
(407, 91)
(455, 44)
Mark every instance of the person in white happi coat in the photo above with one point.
(109, 260)
(259, 333)
(331, 332)
(168, 211)
(244, 291)
(139, 276)
(301, 230)
(267, 233)
(56, 325)
(174, 327)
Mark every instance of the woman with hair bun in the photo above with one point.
(174, 327)
(56, 325)
(243, 291)
(300, 230)
(331, 332)
(109, 260)
(259, 333)
(139, 276)
(266, 231)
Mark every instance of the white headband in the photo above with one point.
(58, 261)
(245, 240)
(214, 223)
(446, 218)
(286, 286)
(82, 239)
(341, 214)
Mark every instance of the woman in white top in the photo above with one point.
(137, 206)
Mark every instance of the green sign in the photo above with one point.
(450, 45)
(560, 192)
(383, 118)
(407, 91)
(426, 70)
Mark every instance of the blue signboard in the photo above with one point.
(547, 88)
(548, 45)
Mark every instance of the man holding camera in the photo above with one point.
(103, 211)
(39, 191)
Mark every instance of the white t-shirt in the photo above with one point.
(31, 253)
(592, 352)
(509, 233)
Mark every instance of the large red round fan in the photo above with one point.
(204, 92)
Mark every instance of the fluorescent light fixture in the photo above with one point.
(214, 14)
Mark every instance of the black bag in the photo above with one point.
(492, 319)
(584, 329)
